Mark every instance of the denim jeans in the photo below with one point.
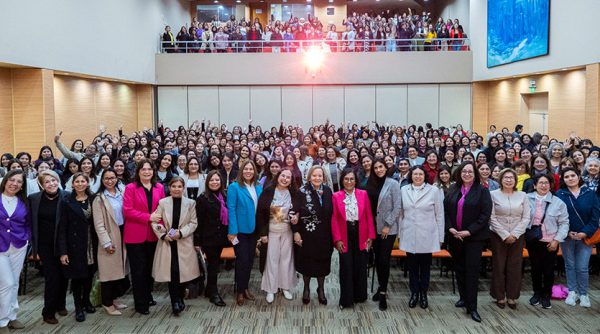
(577, 257)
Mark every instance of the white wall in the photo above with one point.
(438, 104)
(458, 9)
(573, 41)
(348, 68)
(108, 38)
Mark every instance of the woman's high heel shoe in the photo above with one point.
(321, 296)
(112, 310)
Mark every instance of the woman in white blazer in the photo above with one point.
(421, 231)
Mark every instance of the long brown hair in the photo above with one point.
(240, 177)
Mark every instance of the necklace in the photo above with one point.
(51, 197)
(9, 199)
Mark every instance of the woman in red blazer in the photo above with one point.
(140, 200)
(353, 232)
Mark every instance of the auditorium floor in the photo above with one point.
(292, 317)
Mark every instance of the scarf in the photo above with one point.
(461, 202)
(224, 211)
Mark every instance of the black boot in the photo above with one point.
(414, 299)
(423, 300)
(376, 296)
(382, 302)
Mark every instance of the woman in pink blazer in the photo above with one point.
(140, 200)
(353, 232)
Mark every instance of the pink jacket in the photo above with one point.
(366, 227)
(137, 227)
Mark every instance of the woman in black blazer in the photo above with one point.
(467, 207)
(77, 244)
(211, 233)
(46, 210)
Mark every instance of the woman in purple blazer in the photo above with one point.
(15, 232)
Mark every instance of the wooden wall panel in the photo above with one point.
(145, 106)
(592, 101)
(6, 111)
(566, 103)
(28, 110)
(479, 107)
(48, 98)
(75, 109)
(81, 105)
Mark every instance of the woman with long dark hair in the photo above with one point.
(384, 195)
(275, 213)
(77, 242)
(242, 200)
(211, 233)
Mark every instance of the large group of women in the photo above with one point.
(387, 31)
(140, 209)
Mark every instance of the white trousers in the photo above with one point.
(11, 263)
(280, 272)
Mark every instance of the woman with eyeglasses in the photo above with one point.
(467, 207)
(509, 219)
(353, 233)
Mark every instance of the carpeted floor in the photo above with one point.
(292, 317)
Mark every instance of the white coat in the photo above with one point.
(421, 219)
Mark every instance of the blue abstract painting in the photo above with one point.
(517, 30)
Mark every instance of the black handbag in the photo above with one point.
(535, 232)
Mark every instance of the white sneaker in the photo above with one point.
(572, 298)
(287, 294)
(584, 301)
(270, 297)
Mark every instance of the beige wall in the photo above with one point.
(500, 102)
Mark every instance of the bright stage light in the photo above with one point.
(313, 59)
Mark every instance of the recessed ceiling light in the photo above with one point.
(564, 69)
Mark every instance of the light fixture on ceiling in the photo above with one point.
(564, 69)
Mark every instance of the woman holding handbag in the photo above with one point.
(549, 226)
(584, 211)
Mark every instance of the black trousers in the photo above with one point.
(213, 261)
(176, 287)
(141, 257)
(244, 258)
(419, 266)
(542, 267)
(81, 289)
(467, 259)
(55, 284)
(353, 270)
(382, 249)
(112, 290)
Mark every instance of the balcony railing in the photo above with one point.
(276, 46)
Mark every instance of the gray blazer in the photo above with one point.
(557, 216)
(389, 206)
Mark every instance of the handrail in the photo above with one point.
(329, 45)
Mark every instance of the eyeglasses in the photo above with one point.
(467, 172)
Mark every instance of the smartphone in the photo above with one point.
(172, 232)
(235, 241)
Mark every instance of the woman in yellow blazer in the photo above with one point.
(175, 260)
